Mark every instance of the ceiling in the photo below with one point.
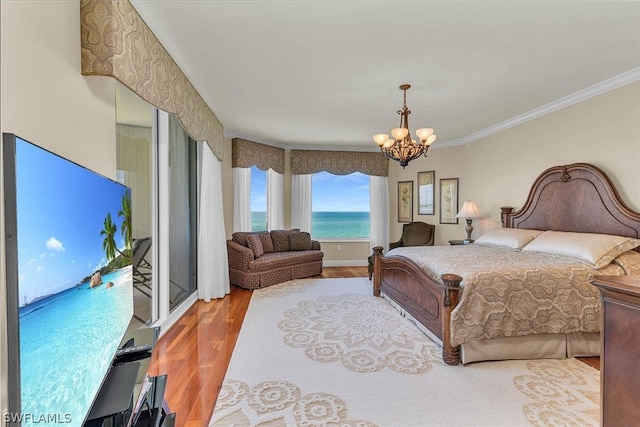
(326, 73)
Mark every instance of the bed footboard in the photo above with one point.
(428, 302)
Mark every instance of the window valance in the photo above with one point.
(117, 43)
(338, 162)
(248, 153)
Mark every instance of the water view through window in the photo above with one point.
(353, 225)
(340, 205)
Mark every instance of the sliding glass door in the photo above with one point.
(158, 161)
(182, 213)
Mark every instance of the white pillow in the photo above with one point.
(595, 250)
(512, 238)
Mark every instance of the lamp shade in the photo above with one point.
(380, 138)
(469, 210)
(399, 133)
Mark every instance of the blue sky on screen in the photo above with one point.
(61, 211)
(330, 193)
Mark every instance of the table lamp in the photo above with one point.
(469, 211)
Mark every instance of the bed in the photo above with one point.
(434, 286)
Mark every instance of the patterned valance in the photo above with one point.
(338, 162)
(248, 153)
(116, 42)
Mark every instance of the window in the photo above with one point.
(183, 218)
(258, 199)
(340, 206)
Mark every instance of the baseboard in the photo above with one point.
(345, 263)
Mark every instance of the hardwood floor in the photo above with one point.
(196, 351)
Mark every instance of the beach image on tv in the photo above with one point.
(75, 282)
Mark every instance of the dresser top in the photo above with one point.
(625, 284)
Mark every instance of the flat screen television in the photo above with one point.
(68, 282)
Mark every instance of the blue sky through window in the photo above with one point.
(258, 199)
(331, 193)
(340, 193)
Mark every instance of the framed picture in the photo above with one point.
(426, 190)
(405, 201)
(448, 200)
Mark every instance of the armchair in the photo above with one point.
(413, 234)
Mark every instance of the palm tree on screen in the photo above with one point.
(125, 213)
(109, 243)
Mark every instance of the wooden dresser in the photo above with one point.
(620, 350)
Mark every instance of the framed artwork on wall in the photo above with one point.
(405, 201)
(448, 200)
(426, 192)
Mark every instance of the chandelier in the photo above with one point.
(400, 147)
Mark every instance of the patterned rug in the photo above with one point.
(326, 352)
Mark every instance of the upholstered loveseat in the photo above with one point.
(262, 258)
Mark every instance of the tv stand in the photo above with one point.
(129, 397)
(114, 397)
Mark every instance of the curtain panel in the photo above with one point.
(275, 200)
(213, 268)
(116, 42)
(241, 199)
(301, 202)
(379, 211)
(245, 154)
(305, 162)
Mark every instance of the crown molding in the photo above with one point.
(574, 98)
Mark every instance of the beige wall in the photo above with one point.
(499, 170)
(46, 100)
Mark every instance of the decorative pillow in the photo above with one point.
(280, 239)
(594, 250)
(630, 262)
(254, 243)
(267, 244)
(300, 241)
(240, 237)
(511, 238)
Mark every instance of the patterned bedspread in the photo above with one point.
(510, 293)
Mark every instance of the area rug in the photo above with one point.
(326, 352)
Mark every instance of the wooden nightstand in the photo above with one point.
(460, 242)
(620, 349)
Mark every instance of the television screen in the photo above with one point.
(69, 282)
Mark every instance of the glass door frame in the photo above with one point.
(161, 314)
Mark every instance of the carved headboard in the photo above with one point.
(578, 197)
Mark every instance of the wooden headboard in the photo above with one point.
(578, 197)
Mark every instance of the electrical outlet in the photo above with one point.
(339, 248)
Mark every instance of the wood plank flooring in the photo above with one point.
(196, 351)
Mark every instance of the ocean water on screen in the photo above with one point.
(67, 342)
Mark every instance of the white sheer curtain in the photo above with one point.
(213, 269)
(275, 200)
(301, 202)
(379, 208)
(241, 199)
